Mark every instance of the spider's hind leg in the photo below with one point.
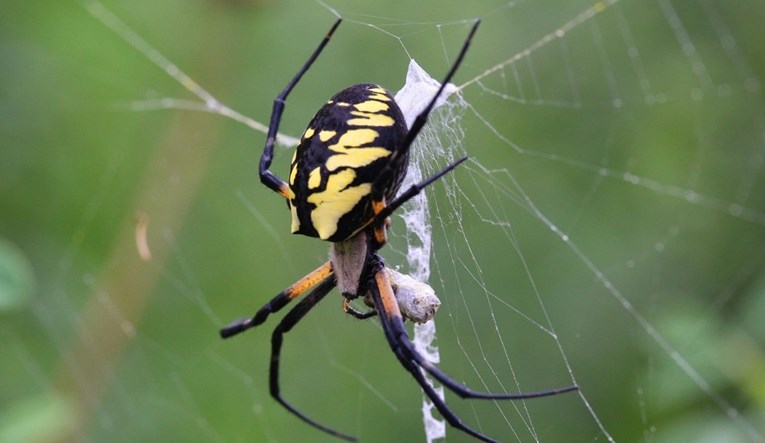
(278, 302)
(290, 320)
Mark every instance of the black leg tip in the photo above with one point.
(235, 327)
(570, 389)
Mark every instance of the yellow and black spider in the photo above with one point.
(342, 188)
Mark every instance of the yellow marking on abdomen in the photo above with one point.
(368, 119)
(295, 219)
(293, 173)
(337, 200)
(314, 178)
(326, 135)
(371, 106)
(350, 152)
(355, 158)
(354, 138)
(379, 93)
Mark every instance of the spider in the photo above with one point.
(343, 181)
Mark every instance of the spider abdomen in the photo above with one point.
(347, 144)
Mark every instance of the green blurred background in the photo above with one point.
(639, 133)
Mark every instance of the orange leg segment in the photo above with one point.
(278, 302)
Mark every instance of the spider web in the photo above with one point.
(608, 230)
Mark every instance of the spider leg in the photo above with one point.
(462, 390)
(380, 184)
(278, 302)
(414, 190)
(353, 312)
(382, 210)
(290, 320)
(398, 338)
(440, 404)
(393, 325)
(422, 118)
(266, 176)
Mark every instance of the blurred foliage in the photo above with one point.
(651, 162)
(16, 279)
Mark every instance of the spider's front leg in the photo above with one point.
(382, 210)
(400, 158)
